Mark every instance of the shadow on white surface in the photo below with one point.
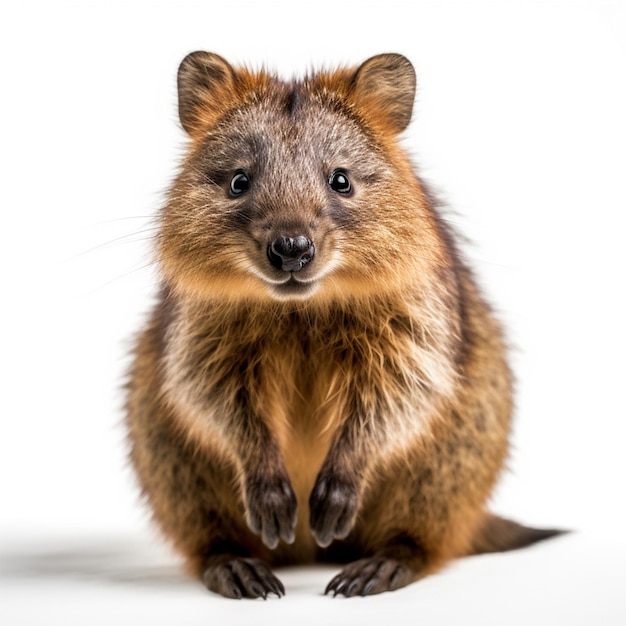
(574, 579)
(99, 561)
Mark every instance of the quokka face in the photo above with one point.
(295, 190)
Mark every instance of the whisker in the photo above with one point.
(125, 219)
(120, 277)
(117, 240)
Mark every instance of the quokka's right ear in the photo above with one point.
(206, 82)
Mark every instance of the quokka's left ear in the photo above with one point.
(385, 86)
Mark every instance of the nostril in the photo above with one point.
(275, 259)
(290, 247)
(291, 254)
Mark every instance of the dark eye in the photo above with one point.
(240, 183)
(340, 182)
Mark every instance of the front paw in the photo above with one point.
(333, 506)
(271, 509)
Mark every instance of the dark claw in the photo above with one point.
(277, 587)
(271, 583)
(368, 588)
(351, 590)
(332, 584)
(340, 588)
(258, 591)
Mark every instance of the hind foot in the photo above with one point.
(236, 577)
(400, 562)
(366, 577)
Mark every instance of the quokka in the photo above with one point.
(321, 379)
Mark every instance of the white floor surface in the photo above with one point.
(575, 579)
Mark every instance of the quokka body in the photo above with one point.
(320, 379)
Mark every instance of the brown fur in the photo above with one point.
(361, 413)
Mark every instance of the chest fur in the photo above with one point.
(304, 374)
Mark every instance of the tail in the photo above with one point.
(497, 534)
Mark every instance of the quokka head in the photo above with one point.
(296, 190)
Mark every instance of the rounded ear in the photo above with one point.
(205, 82)
(386, 85)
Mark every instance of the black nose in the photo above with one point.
(291, 254)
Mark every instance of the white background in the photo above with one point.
(519, 122)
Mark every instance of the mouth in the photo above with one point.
(293, 288)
